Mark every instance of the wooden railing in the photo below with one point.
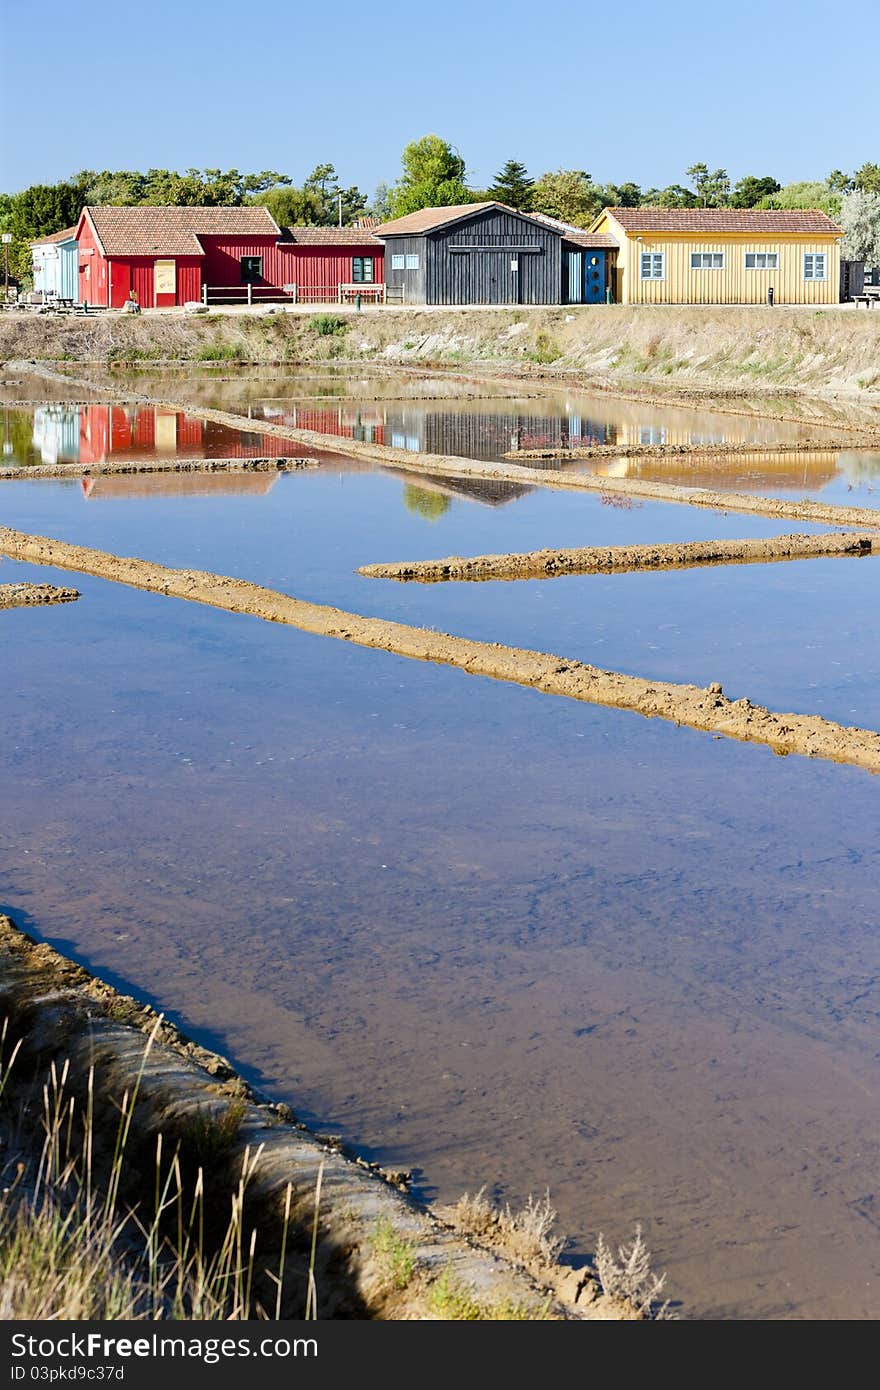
(293, 294)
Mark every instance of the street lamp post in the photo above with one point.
(7, 237)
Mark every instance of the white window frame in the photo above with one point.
(653, 256)
(813, 257)
(412, 261)
(398, 262)
(710, 256)
(766, 255)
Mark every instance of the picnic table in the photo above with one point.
(869, 297)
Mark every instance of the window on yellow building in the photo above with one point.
(815, 265)
(762, 260)
(653, 265)
(707, 260)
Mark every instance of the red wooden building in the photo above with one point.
(171, 256)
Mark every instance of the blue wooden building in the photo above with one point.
(56, 264)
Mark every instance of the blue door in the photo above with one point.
(594, 277)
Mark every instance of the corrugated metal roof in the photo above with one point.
(717, 221)
(328, 236)
(67, 235)
(168, 231)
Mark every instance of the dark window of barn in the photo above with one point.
(251, 270)
(362, 270)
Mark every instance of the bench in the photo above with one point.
(869, 298)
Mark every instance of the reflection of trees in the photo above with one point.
(421, 500)
(860, 467)
(18, 437)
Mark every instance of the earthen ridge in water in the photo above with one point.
(706, 709)
(623, 559)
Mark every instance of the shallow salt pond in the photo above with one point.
(488, 935)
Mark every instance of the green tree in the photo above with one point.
(675, 196)
(293, 207)
(839, 182)
(860, 220)
(712, 189)
(568, 194)
(809, 194)
(867, 179)
(621, 195)
(433, 177)
(381, 205)
(749, 191)
(513, 186)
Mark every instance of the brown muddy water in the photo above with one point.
(481, 933)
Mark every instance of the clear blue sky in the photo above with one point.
(626, 92)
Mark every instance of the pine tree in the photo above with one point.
(513, 186)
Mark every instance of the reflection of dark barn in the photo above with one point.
(485, 434)
(487, 253)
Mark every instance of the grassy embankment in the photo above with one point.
(823, 351)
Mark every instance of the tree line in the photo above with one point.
(434, 174)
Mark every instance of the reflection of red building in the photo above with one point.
(135, 432)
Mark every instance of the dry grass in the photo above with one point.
(629, 1275)
(525, 1235)
(73, 1247)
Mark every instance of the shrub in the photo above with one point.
(327, 324)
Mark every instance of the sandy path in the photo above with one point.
(708, 709)
(622, 559)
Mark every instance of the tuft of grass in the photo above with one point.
(451, 1301)
(327, 325)
(546, 350)
(220, 352)
(395, 1252)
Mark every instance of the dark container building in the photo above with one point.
(485, 253)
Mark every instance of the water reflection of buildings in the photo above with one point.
(89, 434)
(802, 472)
(473, 429)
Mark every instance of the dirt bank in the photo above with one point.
(453, 466)
(599, 559)
(825, 352)
(23, 595)
(708, 709)
(380, 1255)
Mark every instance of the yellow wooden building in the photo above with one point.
(722, 256)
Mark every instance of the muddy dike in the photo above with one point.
(31, 595)
(624, 559)
(379, 1253)
(708, 710)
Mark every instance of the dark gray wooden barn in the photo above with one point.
(480, 253)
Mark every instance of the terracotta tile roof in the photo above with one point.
(328, 236)
(66, 235)
(711, 221)
(429, 219)
(174, 231)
